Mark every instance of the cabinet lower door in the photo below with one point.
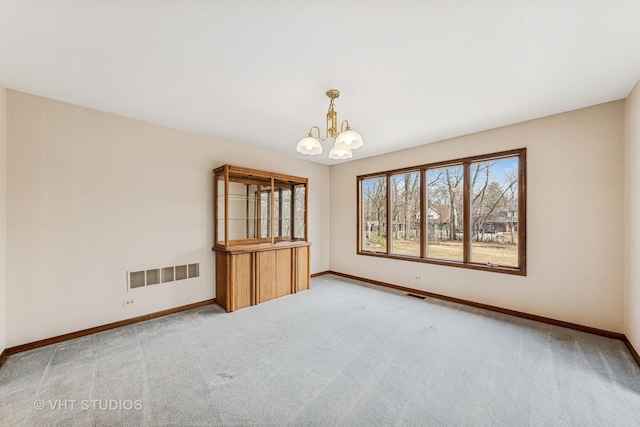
(274, 274)
(266, 275)
(302, 269)
(234, 280)
(242, 286)
(223, 280)
(284, 266)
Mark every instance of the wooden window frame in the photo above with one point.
(520, 270)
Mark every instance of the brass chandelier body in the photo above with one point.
(345, 140)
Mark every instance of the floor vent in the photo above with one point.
(156, 276)
(416, 296)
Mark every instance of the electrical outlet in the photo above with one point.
(417, 277)
(128, 302)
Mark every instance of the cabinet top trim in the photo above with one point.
(259, 247)
(240, 172)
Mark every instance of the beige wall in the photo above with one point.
(3, 211)
(632, 231)
(575, 196)
(92, 195)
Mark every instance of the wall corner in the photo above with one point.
(632, 221)
(3, 217)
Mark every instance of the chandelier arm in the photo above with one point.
(318, 129)
(342, 129)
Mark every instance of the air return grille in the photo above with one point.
(155, 276)
(181, 272)
(136, 279)
(167, 274)
(194, 270)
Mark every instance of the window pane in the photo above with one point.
(494, 212)
(374, 214)
(405, 210)
(445, 213)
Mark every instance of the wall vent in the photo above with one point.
(154, 276)
(167, 274)
(194, 270)
(181, 272)
(136, 279)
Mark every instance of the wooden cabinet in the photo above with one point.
(261, 246)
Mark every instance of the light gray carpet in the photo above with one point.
(342, 353)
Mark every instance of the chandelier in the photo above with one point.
(345, 141)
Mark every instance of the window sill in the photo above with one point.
(517, 271)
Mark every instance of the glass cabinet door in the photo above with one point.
(252, 211)
(264, 211)
(220, 198)
(249, 211)
(299, 212)
(283, 211)
(239, 202)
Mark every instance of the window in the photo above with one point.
(494, 212)
(467, 213)
(373, 237)
(405, 212)
(446, 213)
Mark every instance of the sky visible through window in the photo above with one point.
(501, 169)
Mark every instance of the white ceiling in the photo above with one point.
(256, 72)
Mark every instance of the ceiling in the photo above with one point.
(256, 72)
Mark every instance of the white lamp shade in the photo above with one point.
(340, 153)
(309, 145)
(349, 140)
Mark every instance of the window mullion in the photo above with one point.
(423, 214)
(466, 209)
(389, 224)
(522, 212)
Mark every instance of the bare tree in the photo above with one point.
(375, 200)
(454, 178)
(490, 198)
(511, 202)
(445, 189)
